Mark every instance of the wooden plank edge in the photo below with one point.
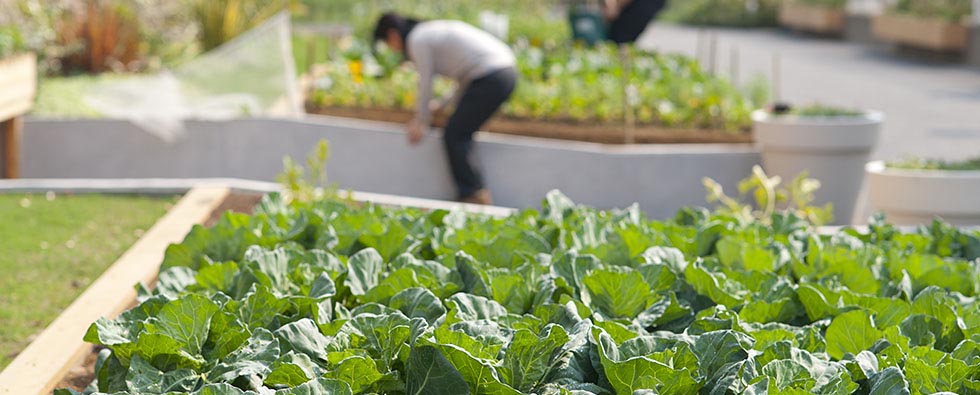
(43, 364)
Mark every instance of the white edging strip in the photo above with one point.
(39, 368)
(171, 185)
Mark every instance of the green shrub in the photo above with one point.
(824, 3)
(735, 13)
(11, 41)
(935, 164)
(949, 10)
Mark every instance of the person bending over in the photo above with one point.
(484, 69)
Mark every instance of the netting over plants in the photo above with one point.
(253, 75)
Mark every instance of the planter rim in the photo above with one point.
(879, 167)
(868, 117)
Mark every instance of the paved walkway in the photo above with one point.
(932, 109)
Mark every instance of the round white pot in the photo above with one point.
(915, 197)
(833, 150)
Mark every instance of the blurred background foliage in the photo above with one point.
(93, 36)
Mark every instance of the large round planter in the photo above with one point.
(833, 150)
(915, 197)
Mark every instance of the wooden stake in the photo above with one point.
(699, 51)
(713, 54)
(310, 53)
(734, 66)
(776, 79)
(629, 122)
(10, 137)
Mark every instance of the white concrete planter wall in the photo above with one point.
(832, 149)
(374, 157)
(915, 197)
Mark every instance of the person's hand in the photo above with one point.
(415, 132)
(611, 9)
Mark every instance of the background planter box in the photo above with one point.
(812, 18)
(831, 149)
(375, 157)
(18, 79)
(609, 133)
(915, 197)
(933, 34)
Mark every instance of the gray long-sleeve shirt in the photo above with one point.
(456, 50)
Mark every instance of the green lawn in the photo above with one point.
(53, 246)
(63, 97)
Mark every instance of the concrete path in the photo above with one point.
(932, 108)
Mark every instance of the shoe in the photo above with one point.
(481, 196)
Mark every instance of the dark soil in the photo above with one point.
(239, 202)
(80, 376)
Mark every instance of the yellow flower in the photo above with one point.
(356, 71)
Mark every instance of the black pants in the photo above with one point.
(482, 98)
(633, 20)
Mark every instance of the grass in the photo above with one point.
(53, 246)
(63, 97)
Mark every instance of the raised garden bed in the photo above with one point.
(815, 18)
(560, 130)
(929, 33)
(586, 94)
(539, 302)
(18, 77)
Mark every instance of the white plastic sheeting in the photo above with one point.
(252, 75)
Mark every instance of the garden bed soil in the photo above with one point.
(558, 129)
(926, 33)
(83, 374)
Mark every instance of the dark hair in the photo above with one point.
(391, 20)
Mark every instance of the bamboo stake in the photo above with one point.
(629, 122)
(735, 65)
(713, 53)
(776, 79)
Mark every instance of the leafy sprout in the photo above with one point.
(767, 198)
(306, 184)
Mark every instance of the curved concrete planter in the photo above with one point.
(832, 149)
(914, 197)
(375, 157)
